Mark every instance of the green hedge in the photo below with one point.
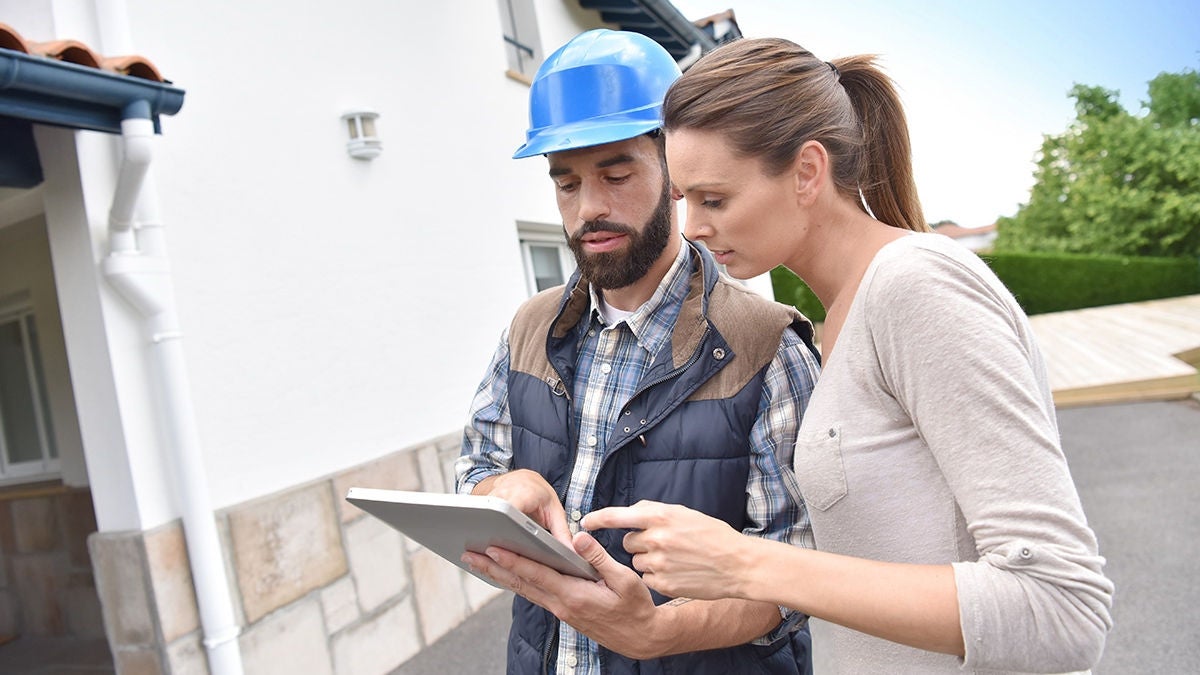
(1055, 282)
(790, 290)
(1051, 282)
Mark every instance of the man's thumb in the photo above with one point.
(591, 550)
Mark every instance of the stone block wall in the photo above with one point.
(46, 583)
(319, 586)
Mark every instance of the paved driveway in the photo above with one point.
(1138, 471)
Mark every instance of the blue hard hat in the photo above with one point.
(601, 87)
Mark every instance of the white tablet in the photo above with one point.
(449, 524)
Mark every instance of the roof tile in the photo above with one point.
(74, 51)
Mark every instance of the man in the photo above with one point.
(648, 376)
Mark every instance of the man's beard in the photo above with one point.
(618, 269)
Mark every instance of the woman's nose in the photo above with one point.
(694, 227)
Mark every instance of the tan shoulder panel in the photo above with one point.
(527, 334)
(753, 326)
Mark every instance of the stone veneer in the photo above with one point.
(46, 584)
(319, 586)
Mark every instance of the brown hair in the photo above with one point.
(769, 96)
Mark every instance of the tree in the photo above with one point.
(1117, 183)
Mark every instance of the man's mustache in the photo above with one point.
(593, 226)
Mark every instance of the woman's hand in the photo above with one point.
(680, 552)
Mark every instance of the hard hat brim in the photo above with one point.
(585, 135)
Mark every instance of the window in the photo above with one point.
(27, 446)
(547, 259)
(521, 41)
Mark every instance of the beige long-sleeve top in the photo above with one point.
(931, 438)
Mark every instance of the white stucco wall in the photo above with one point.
(335, 309)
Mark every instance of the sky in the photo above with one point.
(983, 81)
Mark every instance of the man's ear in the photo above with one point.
(811, 170)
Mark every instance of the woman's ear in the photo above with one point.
(811, 170)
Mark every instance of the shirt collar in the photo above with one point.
(649, 325)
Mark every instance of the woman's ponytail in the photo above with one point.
(886, 181)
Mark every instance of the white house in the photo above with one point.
(977, 239)
(219, 309)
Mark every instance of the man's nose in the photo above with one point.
(593, 203)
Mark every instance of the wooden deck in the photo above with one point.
(1119, 353)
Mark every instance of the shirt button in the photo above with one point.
(576, 515)
(605, 368)
(571, 660)
(591, 441)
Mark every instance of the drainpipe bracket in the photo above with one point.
(220, 637)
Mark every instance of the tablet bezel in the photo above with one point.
(449, 524)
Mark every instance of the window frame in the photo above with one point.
(49, 465)
(541, 234)
(522, 43)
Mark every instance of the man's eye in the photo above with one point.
(566, 187)
(617, 180)
(712, 203)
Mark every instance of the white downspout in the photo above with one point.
(137, 268)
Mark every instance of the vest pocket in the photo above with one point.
(819, 469)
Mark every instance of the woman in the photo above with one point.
(947, 526)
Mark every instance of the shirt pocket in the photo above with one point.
(819, 468)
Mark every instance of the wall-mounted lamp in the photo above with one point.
(364, 140)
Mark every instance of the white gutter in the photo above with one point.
(137, 268)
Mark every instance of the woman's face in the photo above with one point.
(748, 220)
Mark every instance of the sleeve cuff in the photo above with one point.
(792, 621)
(473, 478)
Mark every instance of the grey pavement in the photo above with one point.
(477, 646)
(1137, 467)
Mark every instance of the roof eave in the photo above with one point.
(659, 20)
(48, 91)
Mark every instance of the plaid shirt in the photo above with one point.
(611, 363)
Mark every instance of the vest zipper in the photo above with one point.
(551, 647)
(548, 653)
(572, 436)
